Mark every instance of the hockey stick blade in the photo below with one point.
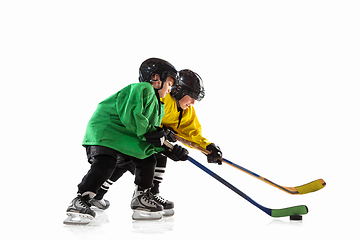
(284, 212)
(303, 189)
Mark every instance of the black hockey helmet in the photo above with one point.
(190, 83)
(153, 66)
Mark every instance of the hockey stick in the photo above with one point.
(284, 212)
(303, 189)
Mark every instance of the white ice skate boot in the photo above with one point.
(167, 205)
(100, 204)
(144, 206)
(79, 211)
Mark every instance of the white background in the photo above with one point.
(282, 99)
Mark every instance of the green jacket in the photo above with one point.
(121, 121)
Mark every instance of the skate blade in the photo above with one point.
(168, 212)
(78, 219)
(144, 215)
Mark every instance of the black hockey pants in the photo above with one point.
(103, 167)
(124, 165)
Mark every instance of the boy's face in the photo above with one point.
(186, 101)
(166, 87)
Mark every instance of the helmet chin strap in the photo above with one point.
(157, 94)
(162, 85)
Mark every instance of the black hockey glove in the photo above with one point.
(156, 138)
(170, 134)
(215, 155)
(178, 153)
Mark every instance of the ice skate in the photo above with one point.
(167, 205)
(79, 211)
(100, 204)
(144, 206)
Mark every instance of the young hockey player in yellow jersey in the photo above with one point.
(180, 119)
(180, 114)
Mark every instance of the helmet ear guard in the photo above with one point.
(174, 75)
(176, 93)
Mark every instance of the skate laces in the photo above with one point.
(83, 202)
(148, 197)
(159, 199)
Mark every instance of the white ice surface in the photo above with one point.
(282, 99)
(203, 208)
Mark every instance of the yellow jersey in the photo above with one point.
(189, 127)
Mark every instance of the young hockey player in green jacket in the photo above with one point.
(181, 118)
(127, 125)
